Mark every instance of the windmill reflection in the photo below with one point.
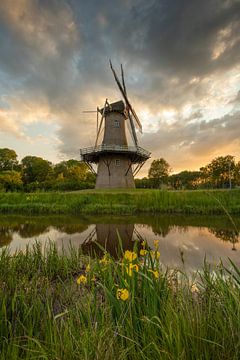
(110, 238)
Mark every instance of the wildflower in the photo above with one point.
(105, 259)
(155, 254)
(155, 273)
(194, 288)
(93, 278)
(143, 252)
(122, 294)
(130, 268)
(88, 268)
(130, 255)
(81, 280)
(156, 244)
(144, 243)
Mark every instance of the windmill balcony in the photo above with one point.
(135, 153)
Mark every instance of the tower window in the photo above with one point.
(117, 162)
(116, 124)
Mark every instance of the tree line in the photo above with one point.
(222, 172)
(34, 173)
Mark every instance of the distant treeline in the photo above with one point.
(34, 173)
(221, 173)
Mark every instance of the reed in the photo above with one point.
(123, 202)
(55, 305)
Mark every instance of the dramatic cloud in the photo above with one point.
(181, 61)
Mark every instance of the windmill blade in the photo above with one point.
(97, 118)
(129, 106)
(101, 122)
(133, 128)
(123, 81)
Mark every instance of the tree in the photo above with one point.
(71, 170)
(11, 180)
(159, 172)
(8, 159)
(35, 169)
(220, 171)
(186, 180)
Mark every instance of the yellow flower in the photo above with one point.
(130, 255)
(122, 294)
(155, 254)
(156, 243)
(105, 260)
(143, 252)
(130, 268)
(81, 280)
(194, 288)
(144, 243)
(155, 273)
(88, 268)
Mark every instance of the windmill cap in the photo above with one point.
(117, 106)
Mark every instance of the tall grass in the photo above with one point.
(122, 202)
(46, 314)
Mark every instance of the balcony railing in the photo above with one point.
(115, 148)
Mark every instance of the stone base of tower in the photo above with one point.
(114, 171)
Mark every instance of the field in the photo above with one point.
(122, 202)
(54, 306)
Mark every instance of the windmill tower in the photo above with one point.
(118, 162)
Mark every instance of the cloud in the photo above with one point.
(181, 61)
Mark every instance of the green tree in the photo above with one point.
(71, 170)
(159, 172)
(35, 169)
(8, 159)
(220, 171)
(186, 180)
(11, 180)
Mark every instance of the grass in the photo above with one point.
(45, 314)
(123, 202)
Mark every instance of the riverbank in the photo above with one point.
(122, 202)
(55, 306)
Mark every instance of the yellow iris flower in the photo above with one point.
(130, 255)
(143, 252)
(122, 294)
(130, 268)
(81, 280)
(155, 273)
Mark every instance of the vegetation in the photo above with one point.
(36, 174)
(134, 201)
(54, 306)
(222, 172)
(159, 172)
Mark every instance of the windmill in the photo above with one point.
(118, 162)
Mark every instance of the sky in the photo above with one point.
(182, 71)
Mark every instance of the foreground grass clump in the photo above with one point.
(58, 306)
(134, 201)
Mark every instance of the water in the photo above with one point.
(184, 241)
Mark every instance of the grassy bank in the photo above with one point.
(122, 202)
(68, 307)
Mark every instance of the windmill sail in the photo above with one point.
(128, 105)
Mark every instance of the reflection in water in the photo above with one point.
(230, 235)
(188, 237)
(106, 236)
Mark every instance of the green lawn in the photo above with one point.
(134, 201)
